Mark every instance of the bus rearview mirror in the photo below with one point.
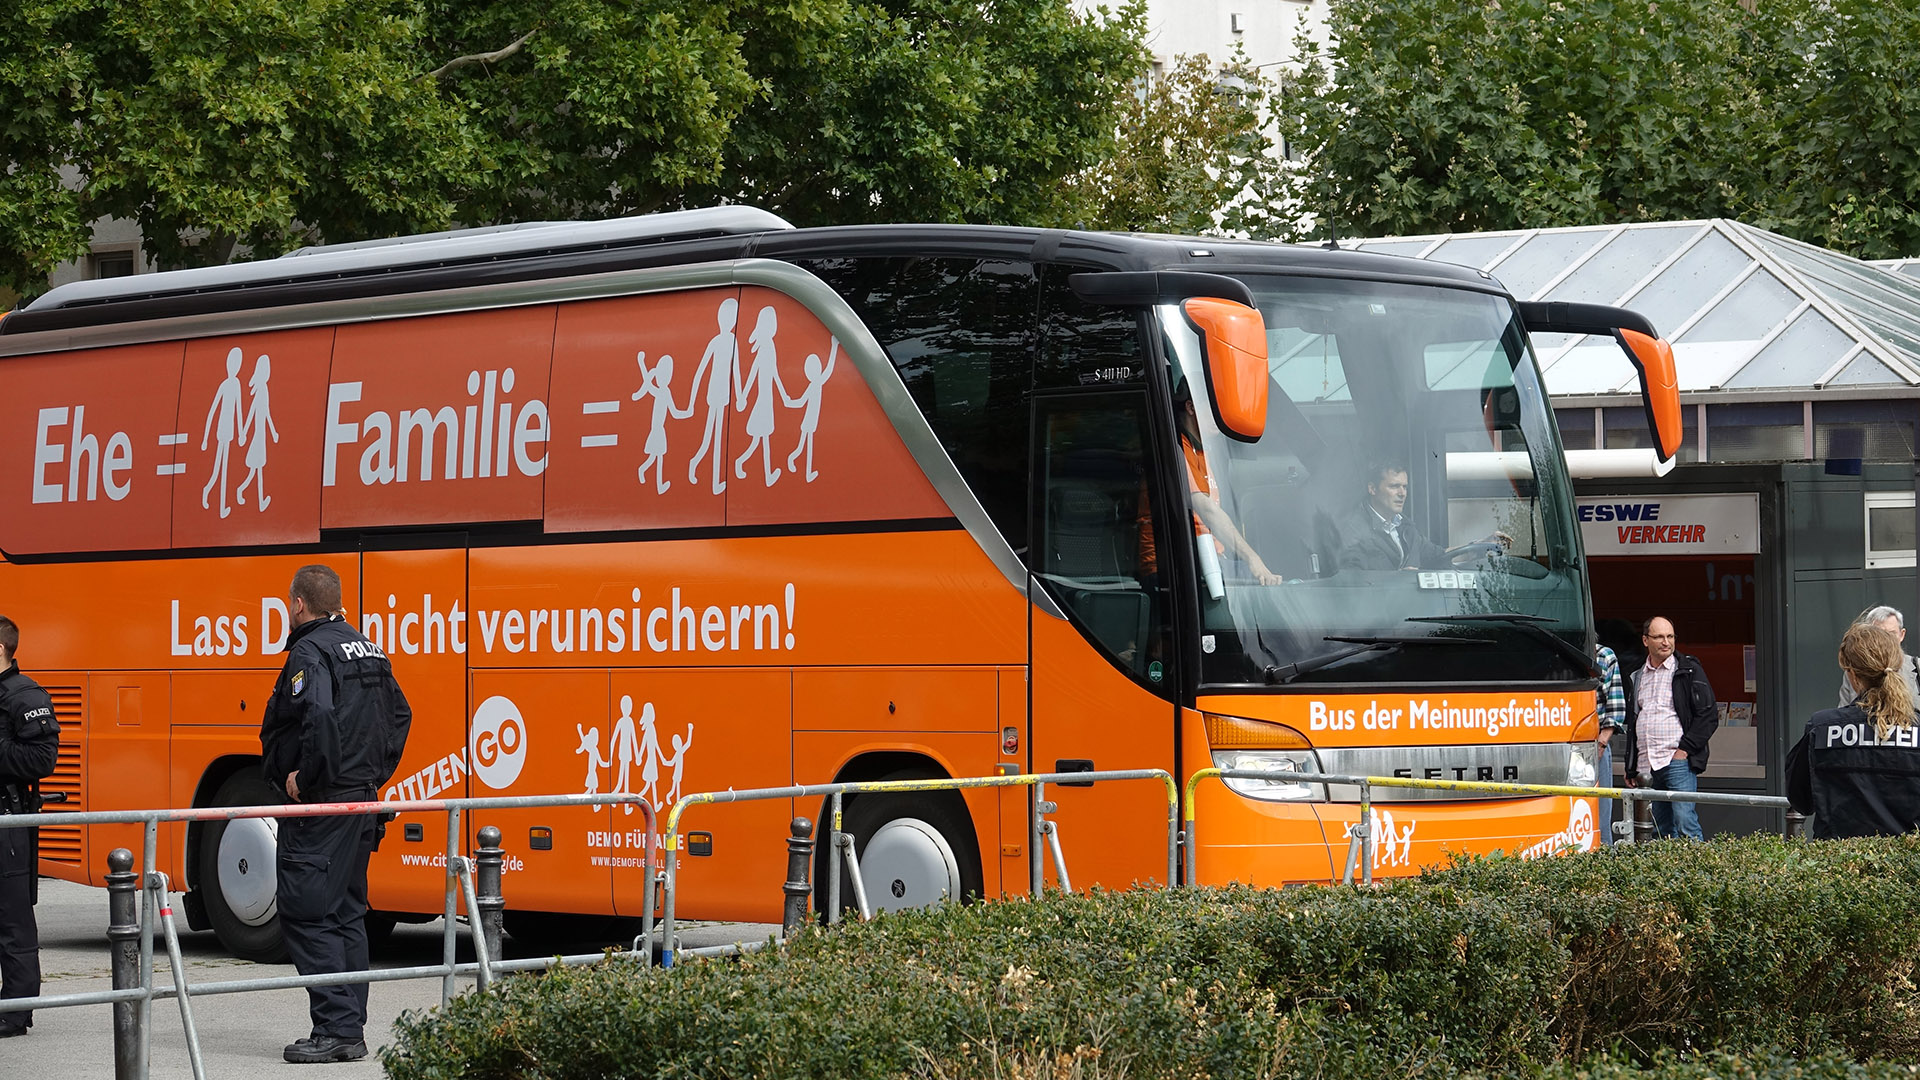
(1236, 358)
(1649, 353)
(1659, 387)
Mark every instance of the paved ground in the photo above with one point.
(240, 1035)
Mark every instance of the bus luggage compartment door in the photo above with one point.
(413, 605)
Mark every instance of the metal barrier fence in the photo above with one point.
(1360, 839)
(841, 845)
(477, 880)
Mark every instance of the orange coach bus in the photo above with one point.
(698, 501)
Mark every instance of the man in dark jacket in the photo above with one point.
(333, 732)
(1378, 535)
(29, 746)
(1671, 716)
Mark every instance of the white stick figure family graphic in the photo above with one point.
(230, 424)
(1390, 847)
(630, 748)
(748, 388)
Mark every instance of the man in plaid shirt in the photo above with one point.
(1611, 706)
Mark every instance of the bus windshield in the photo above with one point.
(1406, 517)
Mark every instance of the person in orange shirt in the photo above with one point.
(1210, 519)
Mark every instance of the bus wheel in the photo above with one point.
(915, 850)
(236, 872)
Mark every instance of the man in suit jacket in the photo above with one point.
(1671, 716)
(1378, 536)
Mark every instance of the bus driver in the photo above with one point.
(1378, 535)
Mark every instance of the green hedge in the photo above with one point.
(1764, 1065)
(1492, 966)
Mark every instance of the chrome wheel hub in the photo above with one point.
(247, 876)
(908, 864)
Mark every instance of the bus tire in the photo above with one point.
(915, 849)
(235, 864)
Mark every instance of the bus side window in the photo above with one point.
(961, 333)
(1096, 546)
(1085, 344)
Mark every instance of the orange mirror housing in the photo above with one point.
(1236, 354)
(1659, 386)
(1652, 357)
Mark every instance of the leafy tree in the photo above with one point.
(256, 125)
(588, 108)
(42, 78)
(927, 110)
(213, 123)
(1190, 147)
(1432, 116)
(263, 122)
(1847, 174)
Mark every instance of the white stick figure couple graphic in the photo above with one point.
(631, 747)
(749, 390)
(230, 424)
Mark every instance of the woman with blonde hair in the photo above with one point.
(1857, 768)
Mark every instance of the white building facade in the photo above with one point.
(1264, 29)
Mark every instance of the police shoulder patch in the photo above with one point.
(299, 682)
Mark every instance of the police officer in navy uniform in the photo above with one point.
(1857, 768)
(29, 746)
(334, 731)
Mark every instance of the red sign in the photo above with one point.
(723, 406)
(726, 406)
(90, 442)
(247, 444)
(630, 412)
(438, 419)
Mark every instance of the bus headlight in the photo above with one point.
(1262, 746)
(1583, 764)
(1275, 763)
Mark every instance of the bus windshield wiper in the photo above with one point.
(1529, 624)
(1286, 673)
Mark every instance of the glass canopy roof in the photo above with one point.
(1747, 310)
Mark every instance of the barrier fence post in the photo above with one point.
(492, 904)
(163, 890)
(798, 886)
(833, 862)
(1046, 841)
(123, 942)
(1796, 825)
(1643, 827)
(1367, 839)
(149, 919)
(448, 953)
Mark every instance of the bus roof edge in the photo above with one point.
(461, 245)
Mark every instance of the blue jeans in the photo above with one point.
(1603, 777)
(1676, 819)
